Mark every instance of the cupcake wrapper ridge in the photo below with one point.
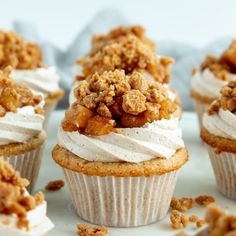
(121, 201)
(200, 108)
(224, 166)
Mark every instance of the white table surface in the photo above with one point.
(196, 178)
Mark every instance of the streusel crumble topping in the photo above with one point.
(129, 53)
(85, 230)
(115, 100)
(99, 41)
(12, 195)
(223, 65)
(18, 53)
(13, 96)
(227, 100)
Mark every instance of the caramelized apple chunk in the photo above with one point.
(77, 116)
(99, 125)
(131, 121)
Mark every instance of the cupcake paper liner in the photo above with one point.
(121, 201)
(28, 164)
(200, 108)
(224, 165)
(48, 109)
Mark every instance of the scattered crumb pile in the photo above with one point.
(85, 230)
(18, 53)
(178, 207)
(227, 100)
(55, 185)
(13, 96)
(13, 199)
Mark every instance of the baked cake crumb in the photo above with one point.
(182, 204)
(204, 200)
(13, 96)
(18, 53)
(178, 219)
(12, 195)
(227, 100)
(85, 230)
(116, 100)
(55, 185)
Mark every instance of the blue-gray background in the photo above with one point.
(184, 29)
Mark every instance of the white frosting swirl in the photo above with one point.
(159, 139)
(43, 80)
(19, 127)
(206, 84)
(39, 223)
(222, 124)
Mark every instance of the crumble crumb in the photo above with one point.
(182, 204)
(178, 219)
(219, 222)
(193, 218)
(204, 200)
(55, 185)
(85, 230)
(12, 195)
(18, 53)
(227, 100)
(13, 96)
(200, 223)
(116, 100)
(181, 233)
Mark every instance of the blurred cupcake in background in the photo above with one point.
(28, 67)
(21, 214)
(120, 148)
(219, 134)
(125, 48)
(21, 127)
(213, 74)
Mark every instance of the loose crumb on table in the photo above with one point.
(55, 185)
(85, 230)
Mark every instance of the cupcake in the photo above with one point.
(219, 135)
(21, 214)
(21, 121)
(214, 73)
(120, 148)
(26, 59)
(125, 48)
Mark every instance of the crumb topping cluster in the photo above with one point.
(18, 53)
(85, 230)
(223, 65)
(127, 49)
(12, 196)
(99, 41)
(114, 99)
(227, 100)
(13, 96)
(178, 207)
(219, 222)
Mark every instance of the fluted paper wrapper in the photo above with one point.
(224, 166)
(28, 164)
(121, 201)
(48, 109)
(200, 108)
